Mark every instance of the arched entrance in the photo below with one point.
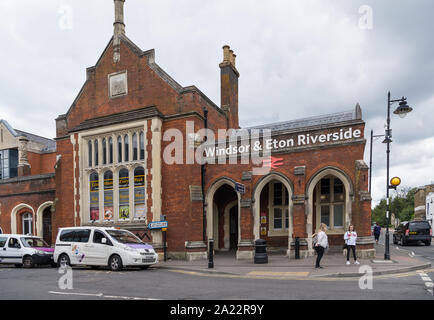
(223, 215)
(44, 221)
(272, 211)
(329, 194)
(15, 220)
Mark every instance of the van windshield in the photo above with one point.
(124, 236)
(34, 243)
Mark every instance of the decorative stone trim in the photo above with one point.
(195, 245)
(298, 199)
(245, 203)
(196, 193)
(247, 176)
(361, 165)
(365, 196)
(300, 171)
(365, 240)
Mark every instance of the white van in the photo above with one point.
(98, 246)
(27, 251)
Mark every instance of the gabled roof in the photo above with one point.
(8, 126)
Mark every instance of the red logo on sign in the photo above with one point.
(273, 162)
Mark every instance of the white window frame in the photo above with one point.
(331, 204)
(27, 218)
(284, 207)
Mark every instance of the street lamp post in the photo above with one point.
(402, 111)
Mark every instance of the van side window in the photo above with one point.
(3, 242)
(97, 236)
(67, 236)
(13, 243)
(81, 235)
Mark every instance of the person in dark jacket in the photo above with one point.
(377, 232)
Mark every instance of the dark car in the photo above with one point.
(412, 232)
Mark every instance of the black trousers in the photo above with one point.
(320, 253)
(353, 248)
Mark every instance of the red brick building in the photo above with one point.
(126, 156)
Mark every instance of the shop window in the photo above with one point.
(331, 205)
(142, 146)
(27, 223)
(94, 196)
(108, 195)
(124, 195)
(139, 194)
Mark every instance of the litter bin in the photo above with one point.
(261, 251)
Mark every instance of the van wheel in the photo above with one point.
(63, 260)
(18, 265)
(144, 267)
(28, 262)
(115, 263)
(428, 243)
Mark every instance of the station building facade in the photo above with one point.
(117, 163)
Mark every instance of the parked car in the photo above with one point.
(98, 246)
(27, 251)
(413, 231)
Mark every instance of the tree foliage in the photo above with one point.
(401, 205)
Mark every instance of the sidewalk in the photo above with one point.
(279, 266)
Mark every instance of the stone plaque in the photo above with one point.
(118, 84)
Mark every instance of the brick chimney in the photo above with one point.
(229, 87)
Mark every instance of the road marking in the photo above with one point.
(428, 282)
(100, 295)
(279, 274)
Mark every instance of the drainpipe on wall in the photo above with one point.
(203, 172)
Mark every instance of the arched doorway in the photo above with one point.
(272, 210)
(223, 215)
(46, 225)
(329, 194)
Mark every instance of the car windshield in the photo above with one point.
(34, 243)
(124, 236)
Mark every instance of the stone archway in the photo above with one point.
(39, 217)
(310, 186)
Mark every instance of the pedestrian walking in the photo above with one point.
(350, 238)
(321, 244)
(377, 232)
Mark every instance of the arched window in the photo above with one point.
(27, 223)
(139, 194)
(89, 153)
(135, 149)
(108, 195)
(330, 202)
(96, 152)
(127, 148)
(110, 150)
(94, 196)
(119, 149)
(104, 151)
(142, 146)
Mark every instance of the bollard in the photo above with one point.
(211, 254)
(261, 251)
(297, 248)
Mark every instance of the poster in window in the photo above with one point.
(108, 213)
(140, 212)
(124, 212)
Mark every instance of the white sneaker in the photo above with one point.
(348, 262)
(357, 262)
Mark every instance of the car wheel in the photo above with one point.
(28, 262)
(115, 263)
(428, 243)
(17, 265)
(402, 241)
(63, 260)
(144, 267)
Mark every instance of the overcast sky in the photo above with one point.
(296, 59)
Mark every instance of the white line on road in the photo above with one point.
(100, 295)
(428, 282)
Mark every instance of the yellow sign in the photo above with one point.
(264, 220)
(164, 229)
(263, 231)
